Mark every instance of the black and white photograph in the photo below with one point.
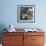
(26, 13)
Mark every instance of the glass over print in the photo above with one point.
(26, 13)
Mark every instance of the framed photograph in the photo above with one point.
(26, 13)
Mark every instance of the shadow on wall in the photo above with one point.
(2, 26)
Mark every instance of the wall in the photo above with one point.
(9, 13)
